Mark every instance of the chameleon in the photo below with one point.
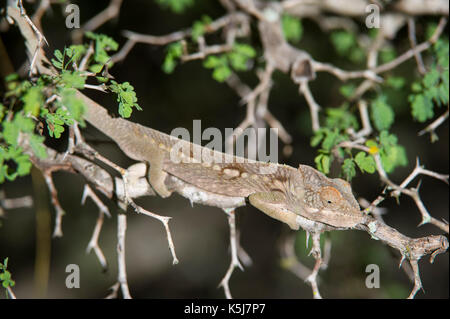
(280, 191)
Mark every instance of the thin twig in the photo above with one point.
(103, 210)
(314, 108)
(225, 283)
(122, 276)
(413, 42)
(57, 232)
(110, 12)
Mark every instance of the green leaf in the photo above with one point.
(33, 99)
(382, 113)
(395, 82)
(199, 27)
(77, 51)
(58, 55)
(220, 65)
(220, 74)
(174, 52)
(12, 129)
(73, 79)
(357, 55)
(365, 163)
(431, 78)
(348, 169)
(239, 57)
(421, 108)
(103, 45)
(57, 64)
(343, 41)
(95, 68)
(244, 49)
(177, 6)
(2, 111)
(347, 90)
(74, 105)
(22, 160)
(318, 136)
(396, 156)
(392, 154)
(387, 55)
(126, 97)
(212, 62)
(341, 118)
(37, 145)
(292, 28)
(332, 138)
(323, 163)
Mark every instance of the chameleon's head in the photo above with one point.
(316, 192)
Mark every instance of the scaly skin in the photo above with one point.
(280, 191)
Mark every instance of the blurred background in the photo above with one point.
(201, 234)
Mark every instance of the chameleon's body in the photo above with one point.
(280, 191)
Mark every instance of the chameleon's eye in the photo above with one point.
(330, 195)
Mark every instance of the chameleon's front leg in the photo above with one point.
(271, 203)
(157, 176)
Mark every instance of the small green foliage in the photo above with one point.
(177, 6)
(74, 105)
(292, 28)
(387, 55)
(240, 56)
(12, 152)
(15, 87)
(174, 52)
(343, 41)
(348, 169)
(126, 97)
(327, 138)
(365, 162)
(22, 165)
(381, 113)
(392, 155)
(37, 145)
(33, 100)
(346, 46)
(395, 82)
(220, 65)
(52, 99)
(55, 121)
(433, 89)
(72, 79)
(421, 107)
(238, 59)
(341, 118)
(12, 129)
(2, 111)
(5, 276)
(103, 45)
(347, 90)
(323, 162)
(59, 62)
(69, 55)
(199, 27)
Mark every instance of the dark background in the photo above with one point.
(201, 233)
